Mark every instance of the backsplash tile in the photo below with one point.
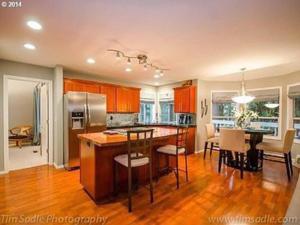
(121, 119)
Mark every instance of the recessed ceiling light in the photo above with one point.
(34, 25)
(128, 69)
(156, 76)
(29, 46)
(90, 61)
(156, 83)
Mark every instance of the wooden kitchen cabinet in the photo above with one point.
(190, 144)
(185, 99)
(80, 86)
(110, 91)
(128, 100)
(118, 99)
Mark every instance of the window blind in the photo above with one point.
(266, 94)
(294, 91)
(223, 97)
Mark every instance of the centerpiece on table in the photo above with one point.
(243, 117)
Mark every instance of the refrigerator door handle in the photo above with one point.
(85, 116)
(89, 114)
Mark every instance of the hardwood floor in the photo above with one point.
(47, 191)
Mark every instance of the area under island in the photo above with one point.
(97, 152)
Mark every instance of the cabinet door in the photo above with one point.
(110, 92)
(122, 99)
(134, 103)
(190, 145)
(185, 100)
(193, 99)
(68, 85)
(92, 88)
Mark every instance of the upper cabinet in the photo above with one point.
(128, 99)
(185, 99)
(118, 99)
(111, 102)
(81, 86)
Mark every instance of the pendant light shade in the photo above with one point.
(243, 98)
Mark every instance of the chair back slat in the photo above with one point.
(139, 144)
(181, 138)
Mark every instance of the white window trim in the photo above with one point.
(256, 89)
(289, 112)
(211, 98)
(280, 112)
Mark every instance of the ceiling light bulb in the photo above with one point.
(156, 76)
(128, 61)
(90, 61)
(128, 69)
(156, 83)
(161, 73)
(118, 56)
(29, 46)
(157, 70)
(145, 67)
(272, 105)
(34, 25)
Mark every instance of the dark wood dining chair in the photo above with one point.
(139, 145)
(176, 150)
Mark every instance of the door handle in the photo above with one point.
(89, 115)
(86, 116)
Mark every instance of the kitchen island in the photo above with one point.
(97, 152)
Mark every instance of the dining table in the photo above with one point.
(253, 159)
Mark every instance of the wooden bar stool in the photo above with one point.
(139, 146)
(176, 150)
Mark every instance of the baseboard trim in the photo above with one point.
(58, 166)
(197, 152)
(3, 172)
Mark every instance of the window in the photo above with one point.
(294, 98)
(223, 108)
(267, 105)
(146, 112)
(167, 114)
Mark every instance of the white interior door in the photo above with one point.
(44, 120)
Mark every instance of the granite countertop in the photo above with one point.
(149, 124)
(102, 139)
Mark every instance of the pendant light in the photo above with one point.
(243, 98)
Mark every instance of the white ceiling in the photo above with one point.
(196, 39)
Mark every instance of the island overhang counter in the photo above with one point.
(97, 152)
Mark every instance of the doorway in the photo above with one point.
(27, 122)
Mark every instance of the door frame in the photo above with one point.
(5, 116)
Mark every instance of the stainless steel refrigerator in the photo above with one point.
(83, 113)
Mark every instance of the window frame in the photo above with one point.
(154, 109)
(160, 111)
(211, 99)
(278, 137)
(289, 112)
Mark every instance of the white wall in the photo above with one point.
(20, 102)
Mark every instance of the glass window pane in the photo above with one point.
(167, 111)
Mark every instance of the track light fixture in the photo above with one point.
(141, 59)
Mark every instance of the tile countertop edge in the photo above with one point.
(119, 142)
(145, 125)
